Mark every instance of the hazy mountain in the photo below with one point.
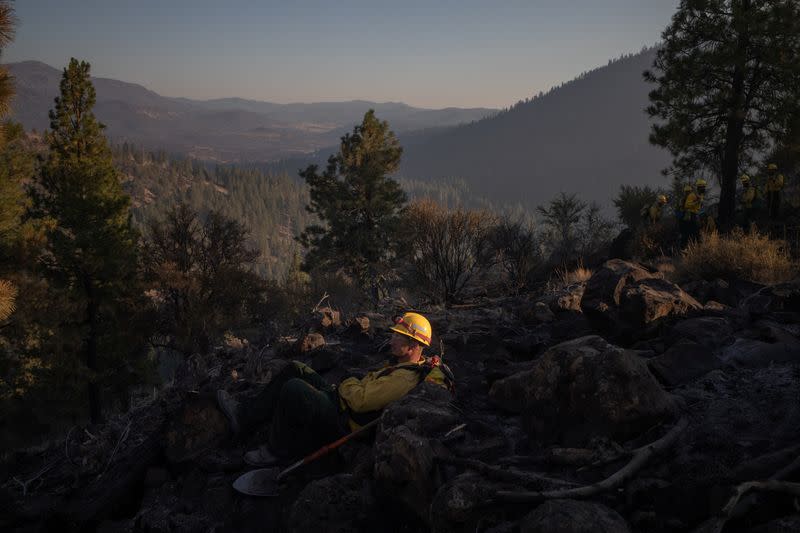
(587, 136)
(230, 129)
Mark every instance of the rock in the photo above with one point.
(752, 353)
(646, 301)
(337, 503)
(714, 306)
(783, 297)
(405, 446)
(582, 389)
(604, 288)
(571, 516)
(358, 327)
(685, 361)
(704, 291)
(328, 318)
(622, 297)
(461, 502)
(310, 342)
(711, 332)
(567, 299)
(542, 313)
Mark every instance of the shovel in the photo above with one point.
(265, 482)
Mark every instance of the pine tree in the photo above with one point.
(359, 205)
(728, 78)
(91, 249)
(9, 206)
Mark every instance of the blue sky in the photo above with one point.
(429, 54)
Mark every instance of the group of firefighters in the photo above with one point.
(691, 214)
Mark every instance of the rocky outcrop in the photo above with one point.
(623, 297)
(585, 388)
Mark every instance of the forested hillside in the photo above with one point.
(589, 136)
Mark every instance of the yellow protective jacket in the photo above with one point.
(775, 183)
(654, 212)
(378, 389)
(748, 197)
(693, 204)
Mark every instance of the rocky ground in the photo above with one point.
(625, 403)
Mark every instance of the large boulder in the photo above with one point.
(683, 362)
(582, 389)
(622, 297)
(571, 516)
(604, 288)
(406, 446)
(648, 300)
(335, 503)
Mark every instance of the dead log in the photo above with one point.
(715, 525)
(505, 474)
(640, 458)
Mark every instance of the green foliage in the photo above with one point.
(272, 206)
(91, 244)
(200, 278)
(630, 201)
(573, 229)
(358, 204)
(728, 85)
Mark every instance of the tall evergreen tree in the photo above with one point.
(8, 291)
(359, 205)
(91, 248)
(728, 81)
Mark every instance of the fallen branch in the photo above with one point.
(503, 474)
(716, 524)
(122, 438)
(640, 458)
(37, 475)
(738, 505)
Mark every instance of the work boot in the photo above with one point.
(261, 457)
(229, 408)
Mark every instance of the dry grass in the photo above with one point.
(8, 295)
(563, 277)
(750, 256)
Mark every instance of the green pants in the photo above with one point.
(304, 409)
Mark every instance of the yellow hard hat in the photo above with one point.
(700, 183)
(662, 198)
(687, 188)
(745, 178)
(415, 326)
(772, 166)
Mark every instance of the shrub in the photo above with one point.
(518, 251)
(630, 201)
(449, 249)
(750, 256)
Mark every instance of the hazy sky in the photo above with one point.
(430, 54)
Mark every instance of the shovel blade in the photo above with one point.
(262, 483)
